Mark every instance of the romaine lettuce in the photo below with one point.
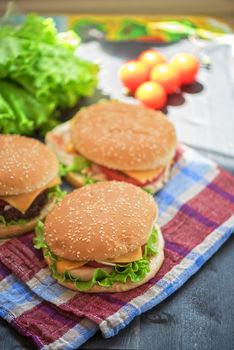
(40, 72)
(56, 194)
(78, 166)
(12, 222)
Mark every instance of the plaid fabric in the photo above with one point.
(196, 214)
(43, 323)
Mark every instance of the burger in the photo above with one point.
(102, 238)
(116, 141)
(28, 183)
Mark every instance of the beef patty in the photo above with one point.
(32, 211)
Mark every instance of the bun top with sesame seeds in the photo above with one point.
(123, 136)
(100, 221)
(25, 165)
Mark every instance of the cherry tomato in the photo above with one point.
(167, 76)
(132, 74)
(152, 95)
(187, 66)
(152, 57)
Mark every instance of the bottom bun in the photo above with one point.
(155, 264)
(16, 230)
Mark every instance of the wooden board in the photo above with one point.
(218, 8)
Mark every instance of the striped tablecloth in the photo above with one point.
(196, 214)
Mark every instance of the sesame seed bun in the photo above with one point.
(155, 264)
(100, 221)
(25, 165)
(123, 136)
(16, 230)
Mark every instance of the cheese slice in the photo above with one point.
(70, 148)
(129, 257)
(23, 201)
(144, 176)
(63, 265)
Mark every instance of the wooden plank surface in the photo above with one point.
(223, 8)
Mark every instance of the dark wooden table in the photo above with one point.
(201, 314)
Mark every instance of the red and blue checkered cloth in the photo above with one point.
(196, 214)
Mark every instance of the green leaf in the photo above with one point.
(134, 271)
(89, 180)
(149, 190)
(63, 170)
(2, 220)
(98, 276)
(19, 111)
(19, 222)
(41, 73)
(39, 241)
(56, 193)
(12, 222)
(80, 163)
(38, 29)
(150, 245)
(78, 166)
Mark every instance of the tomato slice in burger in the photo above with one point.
(178, 154)
(94, 264)
(118, 176)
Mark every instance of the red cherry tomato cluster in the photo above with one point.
(151, 77)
